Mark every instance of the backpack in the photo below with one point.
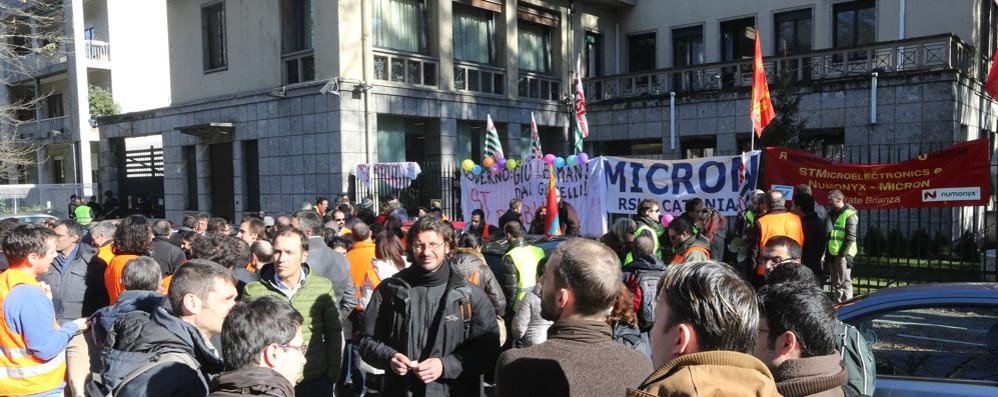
(132, 365)
(857, 357)
(643, 284)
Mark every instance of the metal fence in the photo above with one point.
(50, 199)
(437, 183)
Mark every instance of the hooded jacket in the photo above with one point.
(466, 261)
(78, 288)
(256, 381)
(712, 373)
(821, 376)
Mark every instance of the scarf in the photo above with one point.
(585, 331)
(420, 277)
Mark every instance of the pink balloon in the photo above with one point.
(666, 219)
(549, 159)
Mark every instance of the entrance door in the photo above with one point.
(222, 192)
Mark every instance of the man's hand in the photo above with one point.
(400, 364)
(82, 323)
(46, 289)
(429, 370)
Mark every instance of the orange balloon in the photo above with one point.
(488, 161)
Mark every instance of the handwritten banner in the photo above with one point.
(952, 177)
(395, 175)
(722, 182)
(580, 186)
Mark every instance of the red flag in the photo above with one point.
(991, 84)
(552, 225)
(762, 106)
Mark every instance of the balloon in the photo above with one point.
(582, 158)
(549, 159)
(477, 169)
(467, 165)
(559, 162)
(511, 164)
(495, 168)
(571, 160)
(488, 161)
(501, 163)
(666, 219)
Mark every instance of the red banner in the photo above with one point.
(953, 177)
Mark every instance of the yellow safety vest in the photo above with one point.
(20, 372)
(838, 234)
(525, 261)
(654, 236)
(82, 215)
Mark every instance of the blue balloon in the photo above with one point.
(571, 160)
(559, 162)
(476, 170)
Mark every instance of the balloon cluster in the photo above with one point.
(559, 162)
(496, 165)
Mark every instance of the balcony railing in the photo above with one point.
(45, 128)
(942, 52)
(479, 78)
(99, 51)
(411, 69)
(536, 86)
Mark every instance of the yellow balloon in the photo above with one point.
(467, 165)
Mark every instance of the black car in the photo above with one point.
(494, 250)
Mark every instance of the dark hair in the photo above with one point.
(592, 271)
(793, 249)
(196, 277)
(201, 216)
(252, 326)
(190, 237)
(309, 221)
(339, 241)
(255, 227)
(345, 208)
(713, 299)
(469, 240)
(217, 225)
(132, 236)
(161, 227)
(794, 273)
(646, 205)
(805, 311)
(513, 230)
(623, 308)
(26, 239)
(644, 245)
(360, 232)
(389, 248)
(692, 204)
(73, 227)
(680, 225)
(292, 232)
(805, 202)
(6, 225)
(430, 224)
(190, 221)
(220, 248)
(320, 199)
(141, 274)
(803, 188)
(263, 250)
(479, 212)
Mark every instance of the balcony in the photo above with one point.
(479, 78)
(538, 86)
(98, 53)
(941, 52)
(405, 68)
(45, 128)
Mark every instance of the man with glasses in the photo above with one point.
(433, 332)
(647, 218)
(263, 349)
(779, 250)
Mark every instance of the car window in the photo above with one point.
(939, 342)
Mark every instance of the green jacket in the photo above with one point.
(321, 328)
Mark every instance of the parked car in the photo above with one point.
(29, 218)
(494, 250)
(931, 339)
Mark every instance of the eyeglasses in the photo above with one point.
(340, 219)
(301, 348)
(419, 247)
(775, 259)
(656, 210)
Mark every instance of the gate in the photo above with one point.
(437, 182)
(140, 182)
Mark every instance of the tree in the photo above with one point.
(102, 103)
(29, 30)
(785, 130)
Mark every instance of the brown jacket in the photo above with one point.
(714, 373)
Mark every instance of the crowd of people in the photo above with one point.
(341, 297)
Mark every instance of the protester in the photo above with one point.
(689, 247)
(779, 251)
(224, 250)
(219, 225)
(187, 242)
(251, 230)
(819, 209)
(511, 214)
(706, 324)
(261, 254)
(202, 224)
(361, 255)
(745, 229)
(470, 264)
(479, 227)
(389, 257)
(149, 351)
(797, 341)
(693, 208)
(340, 244)
(568, 218)
(642, 278)
(263, 348)
(624, 321)
(778, 221)
(520, 264)
(188, 224)
(537, 223)
(620, 237)
(76, 282)
(325, 262)
(580, 358)
(321, 205)
(291, 278)
(815, 233)
(843, 222)
(132, 239)
(528, 326)
(102, 237)
(6, 225)
(32, 343)
(168, 256)
(438, 358)
(713, 227)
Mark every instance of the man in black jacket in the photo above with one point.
(168, 256)
(815, 234)
(434, 333)
(512, 214)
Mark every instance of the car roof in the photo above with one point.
(931, 292)
(546, 243)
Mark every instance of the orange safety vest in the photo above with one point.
(20, 372)
(780, 224)
(680, 258)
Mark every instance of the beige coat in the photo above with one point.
(715, 373)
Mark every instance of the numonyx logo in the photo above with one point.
(952, 194)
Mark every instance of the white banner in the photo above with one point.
(722, 182)
(580, 185)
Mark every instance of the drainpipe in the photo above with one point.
(873, 98)
(616, 48)
(672, 120)
(367, 50)
(901, 17)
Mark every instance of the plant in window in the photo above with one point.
(102, 102)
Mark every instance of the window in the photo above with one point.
(191, 167)
(54, 105)
(88, 33)
(474, 34)
(737, 43)
(854, 24)
(687, 50)
(641, 52)
(698, 147)
(297, 41)
(953, 342)
(58, 170)
(594, 54)
(793, 32)
(213, 36)
(400, 25)
(534, 44)
(251, 174)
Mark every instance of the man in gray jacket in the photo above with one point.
(77, 284)
(328, 263)
(167, 255)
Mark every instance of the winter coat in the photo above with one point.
(168, 256)
(568, 218)
(77, 289)
(529, 328)
(403, 309)
(821, 376)
(632, 337)
(510, 215)
(815, 242)
(321, 327)
(706, 374)
(333, 266)
(466, 261)
(253, 381)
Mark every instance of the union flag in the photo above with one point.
(762, 105)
